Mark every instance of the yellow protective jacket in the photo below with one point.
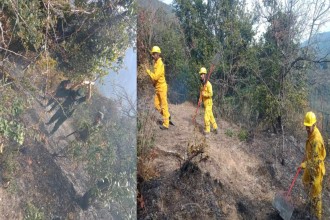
(207, 94)
(158, 76)
(315, 154)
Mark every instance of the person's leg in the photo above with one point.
(58, 123)
(306, 179)
(61, 119)
(316, 206)
(50, 102)
(212, 120)
(55, 116)
(164, 108)
(208, 109)
(157, 103)
(317, 196)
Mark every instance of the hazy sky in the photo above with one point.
(325, 28)
(126, 78)
(166, 1)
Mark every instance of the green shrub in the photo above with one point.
(33, 213)
(229, 133)
(242, 135)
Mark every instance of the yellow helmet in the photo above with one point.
(202, 71)
(155, 49)
(310, 119)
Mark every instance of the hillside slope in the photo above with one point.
(238, 180)
(51, 183)
(44, 175)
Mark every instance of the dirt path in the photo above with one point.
(243, 177)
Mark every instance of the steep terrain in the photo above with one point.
(44, 175)
(238, 180)
(51, 182)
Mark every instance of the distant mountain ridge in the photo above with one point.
(155, 4)
(321, 43)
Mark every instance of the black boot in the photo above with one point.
(171, 123)
(163, 127)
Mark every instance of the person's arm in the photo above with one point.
(89, 95)
(207, 92)
(303, 163)
(159, 71)
(76, 85)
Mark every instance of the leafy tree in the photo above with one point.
(84, 37)
(157, 26)
(92, 42)
(194, 18)
(283, 67)
(219, 27)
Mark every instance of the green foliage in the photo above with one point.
(242, 135)
(17, 107)
(218, 28)
(267, 105)
(12, 130)
(13, 187)
(194, 19)
(97, 40)
(229, 133)
(27, 21)
(12, 107)
(257, 81)
(86, 38)
(159, 27)
(33, 213)
(109, 152)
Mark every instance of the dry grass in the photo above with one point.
(145, 144)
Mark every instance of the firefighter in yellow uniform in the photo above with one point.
(206, 94)
(313, 165)
(159, 82)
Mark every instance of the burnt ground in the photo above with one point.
(237, 181)
(52, 182)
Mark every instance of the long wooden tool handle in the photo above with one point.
(294, 180)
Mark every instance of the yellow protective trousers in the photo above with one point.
(313, 187)
(209, 118)
(161, 105)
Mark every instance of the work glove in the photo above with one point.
(303, 165)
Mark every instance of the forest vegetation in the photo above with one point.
(41, 44)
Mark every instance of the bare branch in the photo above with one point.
(1, 48)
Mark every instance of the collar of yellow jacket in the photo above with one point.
(314, 133)
(158, 60)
